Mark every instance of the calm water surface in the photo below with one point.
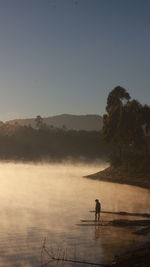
(38, 201)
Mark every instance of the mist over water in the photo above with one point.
(48, 200)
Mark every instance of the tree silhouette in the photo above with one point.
(124, 124)
(146, 118)
(40, 123)
(116, 100)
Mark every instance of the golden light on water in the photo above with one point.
(49, 200)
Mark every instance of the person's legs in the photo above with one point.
(98, 216)
(95, 216)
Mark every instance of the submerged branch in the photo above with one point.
(76, 261)
(64, 259)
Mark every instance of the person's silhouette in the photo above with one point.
(97, 210)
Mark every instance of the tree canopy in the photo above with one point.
(126, 125)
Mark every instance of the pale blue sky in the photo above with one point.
(65, 56)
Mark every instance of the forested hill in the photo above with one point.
(70, 122)
(25, 143)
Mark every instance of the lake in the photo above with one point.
(39, 201)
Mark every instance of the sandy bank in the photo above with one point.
(122, 176)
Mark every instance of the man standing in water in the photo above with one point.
(97, 210)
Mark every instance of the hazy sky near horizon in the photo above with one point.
(65, 56)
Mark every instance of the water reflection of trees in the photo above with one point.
(114, 240)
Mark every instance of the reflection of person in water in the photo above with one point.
(97, 210)
(97, 232)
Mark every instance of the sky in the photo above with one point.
(65, 56)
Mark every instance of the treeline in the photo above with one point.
(126, 126)
(25, 143)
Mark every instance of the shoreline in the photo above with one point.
(121, 176)
(133, 256)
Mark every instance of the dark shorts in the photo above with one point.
(97, 211)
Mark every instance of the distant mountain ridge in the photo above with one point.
(74, 122)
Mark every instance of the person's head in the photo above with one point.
(96, 200)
